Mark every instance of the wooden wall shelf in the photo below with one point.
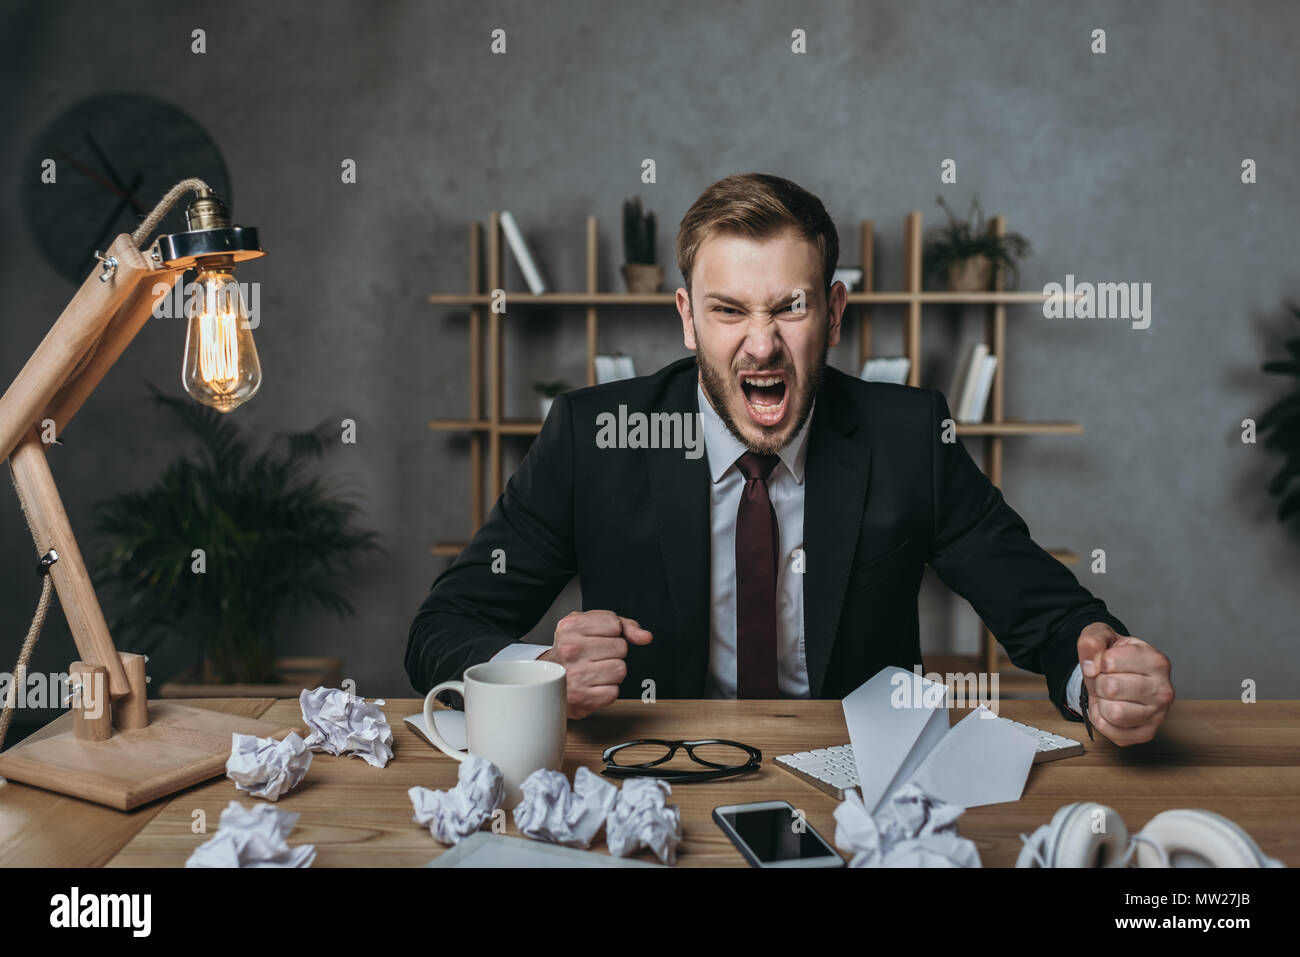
(558, 299)
(668, 298)
(487, 427)
(467, 425)
(1018, 428)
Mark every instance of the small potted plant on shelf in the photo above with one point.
(1281, 423)
(965, 256)
(640, 272)
(225, 546)
(547, 391)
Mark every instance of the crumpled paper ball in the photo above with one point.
(265, 767)
(253, 837)
(342, 723)
(458, 812)
(551, 811)
(911, 829)
(641, 818)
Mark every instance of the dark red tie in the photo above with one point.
(756, 551)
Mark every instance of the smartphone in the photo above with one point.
(774, 834)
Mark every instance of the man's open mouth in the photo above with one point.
(765, 396)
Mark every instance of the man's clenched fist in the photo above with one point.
(1129, 691)
(592, 645)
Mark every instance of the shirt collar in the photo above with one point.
(723, 448)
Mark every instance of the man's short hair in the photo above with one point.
(757, 205)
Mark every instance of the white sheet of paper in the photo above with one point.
(451, 725)
(485, 849)
(983, 759)
(894, 719)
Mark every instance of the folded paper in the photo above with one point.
(265, 767)
(455, 814)
(981, 760)
(641, 818)
(911, 829)
(894, 719)
(551, 811)
(342, 723)
(898, 723)
(253, 837)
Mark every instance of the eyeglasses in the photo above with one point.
(644, 757)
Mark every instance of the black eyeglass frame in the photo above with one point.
(650, 769)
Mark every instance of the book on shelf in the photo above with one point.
(983, 386)
(614, 368)
(519, 249)
(887, 369)
(966, 380)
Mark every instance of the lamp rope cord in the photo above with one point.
(19, 676)
(150, 222)
(139, 237)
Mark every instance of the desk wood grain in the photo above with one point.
(1240, 760)
(43, 829)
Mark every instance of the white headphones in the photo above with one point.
(1086, 834)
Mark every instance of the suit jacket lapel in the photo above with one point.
(835, 486)
(680, 487)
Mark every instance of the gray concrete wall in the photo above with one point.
(1119, 167)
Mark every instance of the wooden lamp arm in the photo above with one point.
(68, 341)
(50, 386)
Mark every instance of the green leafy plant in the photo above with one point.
(638, 234)
(277, 540)
(1281, 424)
(959, 239)
(549, 390)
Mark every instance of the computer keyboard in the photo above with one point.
(833, 769)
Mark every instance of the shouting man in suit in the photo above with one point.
(782, 558)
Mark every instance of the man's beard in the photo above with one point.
(715, 383)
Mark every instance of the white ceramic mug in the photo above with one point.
(516, 716)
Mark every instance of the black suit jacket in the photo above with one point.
(884, 496)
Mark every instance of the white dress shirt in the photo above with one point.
(785, 488)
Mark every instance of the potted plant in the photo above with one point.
(640, 273)
(965, 256)
(223, 547)
(547, 391)
(1281, 423)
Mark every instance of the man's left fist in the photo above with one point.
(1129, 691)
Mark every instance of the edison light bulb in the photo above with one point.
(221, 367)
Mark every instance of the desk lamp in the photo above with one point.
(116, 747)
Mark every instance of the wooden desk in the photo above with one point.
(1240, 760)
(44, 829)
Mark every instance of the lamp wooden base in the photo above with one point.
(179, 747)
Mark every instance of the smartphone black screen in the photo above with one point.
(771, 835)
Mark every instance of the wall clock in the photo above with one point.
(115, 156)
